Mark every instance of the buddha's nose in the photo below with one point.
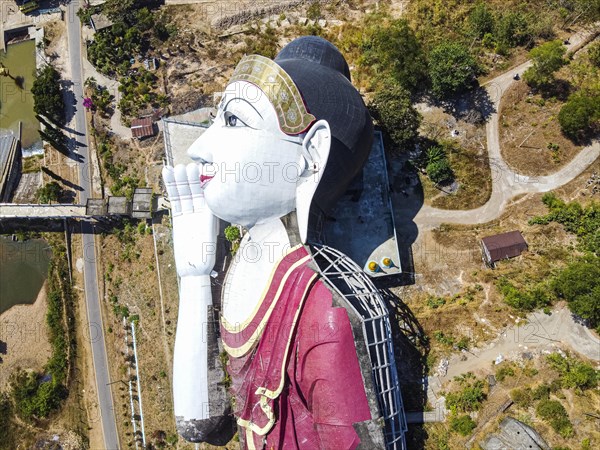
(201, 150)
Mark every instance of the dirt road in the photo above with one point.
(507, 184)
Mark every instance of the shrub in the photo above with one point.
(541, 392)
(525, 300)
(440, 171)
(553, 412)
(574, 373)
(469, 398)
(50, 192)
(521, 397)
(503, 372)
(462, 425)
(435, 302)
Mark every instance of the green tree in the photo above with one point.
(547, 59)
(594, 54)
(394, 51)
(452, 69)
(232, 233)
(512, 30)
(51, 192)
(439, 171)
(481, 20)
(462, 425)
(395, 113)
(579, 284)
(47, 95)
(580, 114)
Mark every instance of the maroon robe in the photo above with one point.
(296, 379)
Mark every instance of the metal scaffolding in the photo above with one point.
(355, 286)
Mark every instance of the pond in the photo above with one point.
(16, 100)
(23, 270)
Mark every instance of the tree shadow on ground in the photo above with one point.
(62, 180)
(474, 106)
(70, 100)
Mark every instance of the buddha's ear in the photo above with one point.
(315, 152)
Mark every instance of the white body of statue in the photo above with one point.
(259, 174)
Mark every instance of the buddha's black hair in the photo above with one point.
(322, 75)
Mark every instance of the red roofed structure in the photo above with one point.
(502, 246)
(142, 128)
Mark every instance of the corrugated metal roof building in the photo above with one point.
(142, 128)
(502, 246)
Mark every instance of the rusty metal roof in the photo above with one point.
(141, 128)
(505, 245)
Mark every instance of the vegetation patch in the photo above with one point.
(34, 395)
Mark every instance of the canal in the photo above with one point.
(16, 100)
(23, 270)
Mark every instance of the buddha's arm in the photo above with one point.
(190, 359)
(194, 244)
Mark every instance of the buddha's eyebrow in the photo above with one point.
(244, 100)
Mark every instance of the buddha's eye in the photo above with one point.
(231, 120)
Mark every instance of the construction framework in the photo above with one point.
(355, 286)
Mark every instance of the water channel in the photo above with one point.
(16, 100)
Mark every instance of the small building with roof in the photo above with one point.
(96, 207)
(119, 206)
(142, 128)
(10, 166)
(142, 203)
(502, 246)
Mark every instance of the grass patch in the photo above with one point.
(32, 164)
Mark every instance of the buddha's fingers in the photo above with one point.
(193, 175)
(183, 187)
(171, 186)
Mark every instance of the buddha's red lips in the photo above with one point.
(204, 178)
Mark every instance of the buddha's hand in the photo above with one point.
(195, 227)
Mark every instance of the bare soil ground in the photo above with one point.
(23, 328)
(528, 126)
(448, 264)
(64, 170)
(135, 285)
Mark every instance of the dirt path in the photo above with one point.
(23, 332)
(540, 334)
(506, 183)
(113, 87)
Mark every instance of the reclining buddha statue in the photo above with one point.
(306, 333)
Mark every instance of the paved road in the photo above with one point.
(94, 313)
(506, 183)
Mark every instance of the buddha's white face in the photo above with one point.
(256, 166)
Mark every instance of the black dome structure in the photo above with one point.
(322, 75)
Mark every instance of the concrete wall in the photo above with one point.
(13, 173)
